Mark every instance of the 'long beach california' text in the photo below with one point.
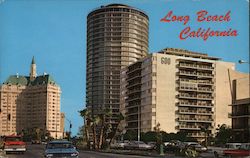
(202, 16)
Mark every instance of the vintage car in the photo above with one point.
(60, 148)
(243, 151)
(13, 143)
(138, 145)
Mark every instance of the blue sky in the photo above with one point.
(54, 31)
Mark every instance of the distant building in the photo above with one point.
(28, 102)
(180, 89)
(241, 109)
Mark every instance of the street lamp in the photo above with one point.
(70, 126)
(242, 62)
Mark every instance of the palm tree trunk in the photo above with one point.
(86, 133)
(94, 137)
(114, 134)
(101, 137)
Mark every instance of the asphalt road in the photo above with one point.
(36, 151)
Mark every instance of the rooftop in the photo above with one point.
(25, 80)
(186, 53)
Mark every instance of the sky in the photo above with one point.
(54, 32)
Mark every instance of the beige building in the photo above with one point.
(30, 102)
(117, 35)
(180, 89)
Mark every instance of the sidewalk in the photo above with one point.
(135, 152)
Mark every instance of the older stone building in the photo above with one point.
(28, 102)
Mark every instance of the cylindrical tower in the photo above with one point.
(117, 35)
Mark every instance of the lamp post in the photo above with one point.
(138, 131)
(70, 126)
(242, 62)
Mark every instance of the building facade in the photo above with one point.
(180, 89)
(241, 109)
(28, 102)
(117, 35)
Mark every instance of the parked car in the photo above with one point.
(243, 151)
(118, 145)
(140, 145)
(198, 147)
(173, 146)
(60, 148)
(13, 143)
(152, 144)
(218, 151)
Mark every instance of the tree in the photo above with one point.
(223, 135)
(86, 114)
(120, 118)
(130, 135)
(205, 130)
(95, 120)
(104, 125)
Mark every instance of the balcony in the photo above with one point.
(203, 89)
(188, 73)
(201, 82)
(200, 112)
(188, 104)
(133, 84)
(187, 65)
(182, 88)
(133, 91)
(188, 119)
(135, 77)
(204, 97)
(205, 67)
(238, 115)
(187, 96)
(205, 75)
(188, 127)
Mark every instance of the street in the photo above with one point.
(36, 151)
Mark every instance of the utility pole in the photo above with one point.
(138, 131)
(70, 126)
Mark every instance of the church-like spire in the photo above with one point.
(33, 60)
(33, 69)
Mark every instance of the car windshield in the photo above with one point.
(59, 145)
(12, 139)
(245, 147)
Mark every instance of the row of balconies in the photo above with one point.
(194, 119)
(188, 127)
(194, 73)
(203, 112)
(205, 67)
(201, 89)
(209, 82)
(193, 96)
(196, 104)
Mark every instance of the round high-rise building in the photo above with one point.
(117, 35)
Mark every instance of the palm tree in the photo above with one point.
(106, 114)
(94, 122)
(120, 118)
(205, 129)
(86, 114)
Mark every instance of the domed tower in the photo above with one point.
(117, 36)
